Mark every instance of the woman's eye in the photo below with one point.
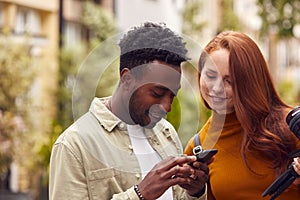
(211, 76)
(228, 81)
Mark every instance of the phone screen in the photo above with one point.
(206, 155)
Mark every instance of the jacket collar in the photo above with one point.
(105, 117)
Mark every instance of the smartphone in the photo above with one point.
(206, 155)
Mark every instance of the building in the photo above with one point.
(50, 24)
(36, 23)
(282, 54)
(71, 28)
(131, 13)
(47, 26)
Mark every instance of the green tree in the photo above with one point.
(98, 21)
(15, 64)
(290, 92)
(280, 21)
(16, 78)
(279, 17)
(192, 23)
(100, 26)
(187, 114)
(228, 19)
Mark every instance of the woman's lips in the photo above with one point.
(216, 99)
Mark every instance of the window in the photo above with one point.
(28, 21)
(72, 33)
(97, 1)
(2, 20)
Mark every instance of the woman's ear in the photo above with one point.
(127, 79)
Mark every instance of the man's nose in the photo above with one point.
(166, 104)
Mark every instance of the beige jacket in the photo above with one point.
(93, 158)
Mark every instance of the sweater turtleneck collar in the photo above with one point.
(223, 121)
(218, 127)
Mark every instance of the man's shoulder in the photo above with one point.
(83, 125)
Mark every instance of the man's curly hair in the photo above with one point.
(149, 42)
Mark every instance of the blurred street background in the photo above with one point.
(43, 44)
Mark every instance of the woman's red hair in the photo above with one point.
(258, 106)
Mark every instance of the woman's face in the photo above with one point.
(215, 82)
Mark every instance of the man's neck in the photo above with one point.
(120, 107)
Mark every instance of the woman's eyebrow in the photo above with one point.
(227, 77)
(212, 70)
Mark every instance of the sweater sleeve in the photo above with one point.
(189, 147)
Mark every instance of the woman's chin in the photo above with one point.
(223, 112)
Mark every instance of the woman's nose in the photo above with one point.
(218, 86)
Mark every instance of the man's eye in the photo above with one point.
(157, 94)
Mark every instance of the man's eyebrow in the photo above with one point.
(174, 90)
(161, 87)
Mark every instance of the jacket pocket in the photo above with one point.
(101, 174)
(102, 183)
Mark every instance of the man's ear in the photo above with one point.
(127, 79)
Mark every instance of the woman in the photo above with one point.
(247, 125)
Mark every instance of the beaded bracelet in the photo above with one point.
(138, 192)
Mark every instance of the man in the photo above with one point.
(123, 148)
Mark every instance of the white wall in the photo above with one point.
(131, 13)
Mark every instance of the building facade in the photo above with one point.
(35, 23)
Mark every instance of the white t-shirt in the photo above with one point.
(146, 155)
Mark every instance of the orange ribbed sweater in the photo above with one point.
(230, 179)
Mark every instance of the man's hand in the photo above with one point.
(172, 171)
(195, 185)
